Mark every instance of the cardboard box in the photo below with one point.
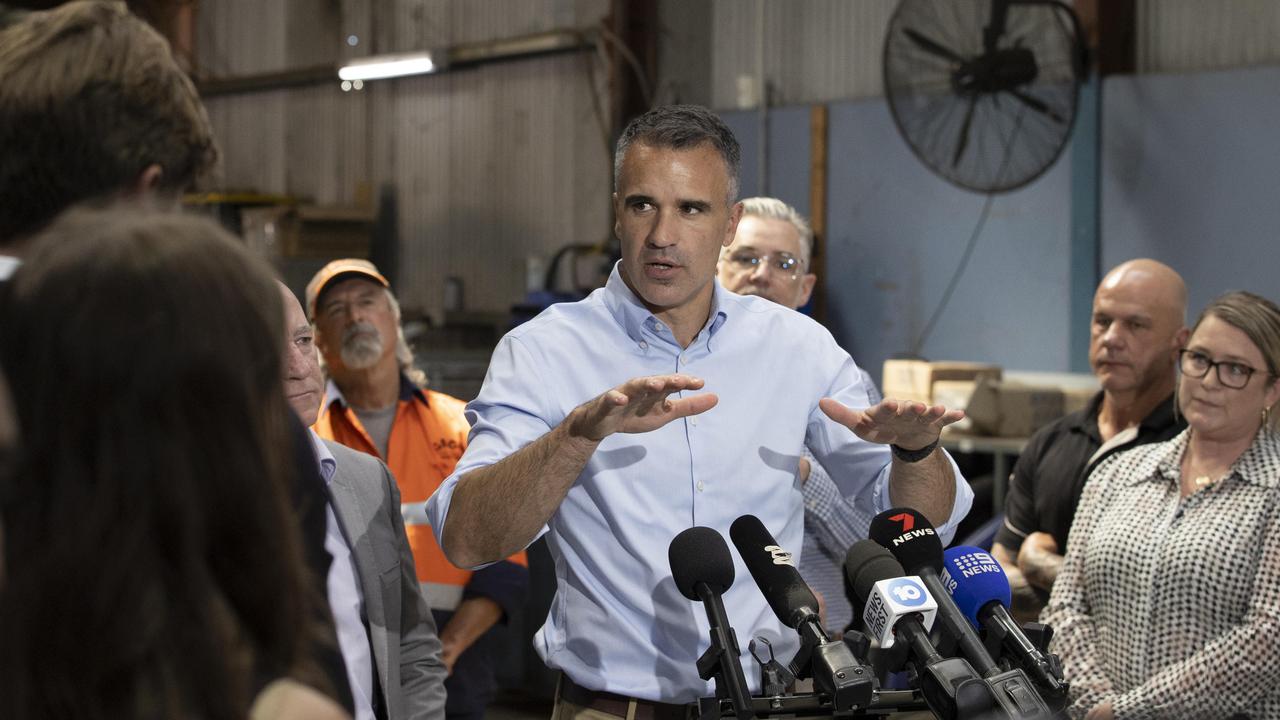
(308, 231)
(915, 379)
(1008, 409)
(955, 395)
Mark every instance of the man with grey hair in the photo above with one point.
(591, 429)
(373, 404)
(770, 254)
(386, 634)
(770, 258)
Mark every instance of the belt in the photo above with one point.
(619, 705)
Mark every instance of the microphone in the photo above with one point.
(835, 669)
(703, 570)
(913, 541)
(885, 596)
(775, 572)
(895, 607)
(981, 591)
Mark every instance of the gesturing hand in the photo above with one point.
(909, 425)
(640, 405)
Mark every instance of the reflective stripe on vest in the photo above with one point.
(414, 514)
(442, 597)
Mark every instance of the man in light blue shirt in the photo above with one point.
(612, 475)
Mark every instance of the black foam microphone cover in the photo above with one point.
(910, 537)
(865, 564)
(773, 569)
(700, 555)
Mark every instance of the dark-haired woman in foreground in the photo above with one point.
(1168, 603)
(152, 566)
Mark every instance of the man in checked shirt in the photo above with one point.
(770, 257)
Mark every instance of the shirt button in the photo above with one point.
(644, 345)
(701, 487)
(693, 422)
(684, 359)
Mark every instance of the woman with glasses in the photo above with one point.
(1168, 603)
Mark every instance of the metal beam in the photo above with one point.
(456, 57)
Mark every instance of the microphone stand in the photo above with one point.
(721, 659)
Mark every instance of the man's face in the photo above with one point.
(303, 383)
(356, 328)
(673, 217)
(1134, 337)
(752, 265)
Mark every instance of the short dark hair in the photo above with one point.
(149, 507)
(91, 96)
(682, 127)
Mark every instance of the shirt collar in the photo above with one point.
(328, 463)
(1087, 423)
(1159, 418)
(408, 391)
(1255, 466)
(631, 314)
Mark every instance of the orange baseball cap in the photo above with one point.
(340, 270)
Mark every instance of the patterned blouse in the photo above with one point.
(1168, 606)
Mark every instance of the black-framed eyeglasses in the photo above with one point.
(786, 263)
(1231, 374)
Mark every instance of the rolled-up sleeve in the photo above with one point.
(507, 415)
(859, 468)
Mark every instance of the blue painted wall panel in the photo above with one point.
(788, 159)
(1191, 177)
(897, 233)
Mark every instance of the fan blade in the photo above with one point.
(1037, 105)
(931, 46)
(964, 131)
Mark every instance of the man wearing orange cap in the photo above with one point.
(377, 402)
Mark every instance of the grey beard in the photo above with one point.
(361, 347)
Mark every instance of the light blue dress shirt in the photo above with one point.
(617, 622)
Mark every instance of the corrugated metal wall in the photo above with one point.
(492, 164)
(814, 50)
(497, 163)
(823, 50)
(1194, 35)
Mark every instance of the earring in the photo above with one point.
(1266, 416)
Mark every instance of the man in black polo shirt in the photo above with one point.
(1136, 332)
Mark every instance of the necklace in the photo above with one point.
(1203, 481)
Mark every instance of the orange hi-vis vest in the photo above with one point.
(428, 436)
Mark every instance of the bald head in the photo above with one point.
(1161, 284)
(1139, 315)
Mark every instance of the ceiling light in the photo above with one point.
(378, 67)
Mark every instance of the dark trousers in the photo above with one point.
(472, 685)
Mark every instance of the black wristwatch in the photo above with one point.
(910, 456)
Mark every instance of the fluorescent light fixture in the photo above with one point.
(379, 67)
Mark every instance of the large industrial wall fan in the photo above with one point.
(985, 91)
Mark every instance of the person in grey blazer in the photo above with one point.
(385, 630)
